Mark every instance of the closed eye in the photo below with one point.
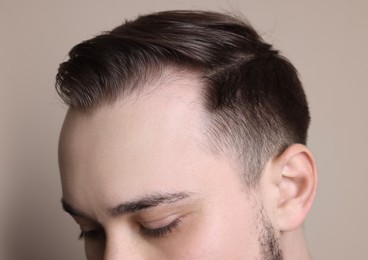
(151, 232)
(161, 231)
(92, 235)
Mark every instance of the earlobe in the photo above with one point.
(297, 186)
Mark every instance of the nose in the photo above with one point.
(123, 249)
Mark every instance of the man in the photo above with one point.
(184, 139)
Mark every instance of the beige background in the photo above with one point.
(326, 40)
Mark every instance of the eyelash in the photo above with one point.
(93, 234)
(151, 232)
(161, 231)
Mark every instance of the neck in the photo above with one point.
(294, 245)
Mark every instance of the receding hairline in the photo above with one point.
(154, 79)
(164, 81)
(249, 89)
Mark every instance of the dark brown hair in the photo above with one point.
(253, 94)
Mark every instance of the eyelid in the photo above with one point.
(99, 234)
(161, 231)
(152, 224)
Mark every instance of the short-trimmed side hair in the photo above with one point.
(256, 103)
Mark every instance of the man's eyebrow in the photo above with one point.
(144, 202)
(148, 201)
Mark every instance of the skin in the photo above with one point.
(151, 147)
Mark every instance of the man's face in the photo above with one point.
(139, 181)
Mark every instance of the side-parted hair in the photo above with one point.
(255, 100)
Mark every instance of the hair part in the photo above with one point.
(256, 103)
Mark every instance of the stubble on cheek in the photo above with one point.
(269, 241)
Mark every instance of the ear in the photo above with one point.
(297, 186)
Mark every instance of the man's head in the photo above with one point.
(184, 140)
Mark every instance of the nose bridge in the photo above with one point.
(117, 248)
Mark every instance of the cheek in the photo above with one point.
(226, 234)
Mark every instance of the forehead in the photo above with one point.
(155, 136)
(161, 111)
